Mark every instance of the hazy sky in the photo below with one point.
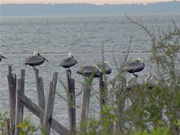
(82, 1)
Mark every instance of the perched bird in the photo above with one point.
(135, 66)
(131, 82)
(35, 60)
(68, 62)
(150, 80)
(90, 70)
(104, 67)
(2, 57)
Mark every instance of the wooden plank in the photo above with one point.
(8, 127)
(12, 98)
(55, 77)
(48, 111)
(71, 101)
(85, 105)
(41, 92)
(102, 93)
(36, 110)
(40, 89)
(19, 107)
(72, 87)
(9, 69)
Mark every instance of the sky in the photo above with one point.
(98, 2)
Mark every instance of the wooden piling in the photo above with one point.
(17, 100)
(103, 93)
(85, 105)
(8, 132)
(19, 107)
(36, 110)
(40, 89)
(12, 98)
(71, 101)
(48, 111)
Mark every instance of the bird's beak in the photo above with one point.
(46, 59)
(3, 57)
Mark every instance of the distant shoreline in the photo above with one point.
(88, 9)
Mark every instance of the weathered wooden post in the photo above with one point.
(12, 98)
(36, 110)
(8, 127)
(19, 107)
(85, 104)
(71, 101)
(17, 100)
(48, 111)
(103, 92)
(40, 89)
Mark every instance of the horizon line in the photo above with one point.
(92, 3)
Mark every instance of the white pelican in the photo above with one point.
(35, 60)
(68, 62)
(89, 70)
(2, 57)
(150, 80)
(104, 67)
(135, 66)
(132, 82)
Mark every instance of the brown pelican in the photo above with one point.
(68, 62)
(35, 60)
(135, 66)
(104, 67)
(90, 70)
(2, 57)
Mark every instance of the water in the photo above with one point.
(85, 36)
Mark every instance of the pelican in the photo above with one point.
(131, 82)
(2, 57)
(68, 62)
(135, 66)
(150, 80)
(35, 60)
(104, 67)
(90, 70)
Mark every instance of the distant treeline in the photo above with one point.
(172, 7)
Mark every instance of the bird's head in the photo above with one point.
(132, 81)
(70, 55)
(106, 62)
(94, 65)
(149, 74)
(139, 60)
(36, 53)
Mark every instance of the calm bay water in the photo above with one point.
(55, 36)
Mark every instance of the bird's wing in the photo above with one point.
(132, 65)
(68, 62)
(34, 60)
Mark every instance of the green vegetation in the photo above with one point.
(152, 111)
(3, 123)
